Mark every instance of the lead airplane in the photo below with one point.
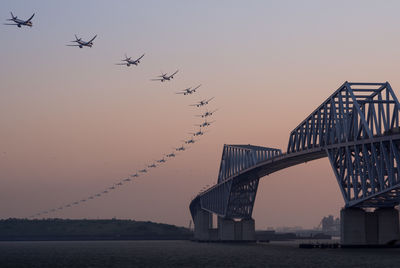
(188, 91)
(165, 77)
(202, 102)
(81, 43)
(129, 61)
(19, 22)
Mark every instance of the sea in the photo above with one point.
(187, 254)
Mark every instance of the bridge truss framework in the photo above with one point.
(357, 128)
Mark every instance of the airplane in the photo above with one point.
(143, 170)
(202, 102)
(19, 22)
(198, 133)
(81, 43)
(189, 90)
(190, 141)
(205, 124)
(165, 77)
(207, 113)
(98, 194)
(180, 148)
(105, 191)
(111, 188)
(170, 155)
(129, 61)
(152, 166)
(161, 160)
(76, 203)
(68, 205)
(134, 175)
(127, 179)
(83, 200)
(119, 183)
(91, 197)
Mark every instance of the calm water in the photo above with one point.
(187, 254)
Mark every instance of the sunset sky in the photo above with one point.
(72, 122)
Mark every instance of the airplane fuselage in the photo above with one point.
(84, 44)
(22, 22)
(128, 63)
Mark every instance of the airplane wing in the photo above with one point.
(10, 24)
(92, 38)
(180, 92)
(211, 99)
(120, 64)
(193, 104)
(140, 57)
(175, 73)
(28, 20)
(156, 79)
(196, 88)
(72, 45)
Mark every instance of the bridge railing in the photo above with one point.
(355, 111)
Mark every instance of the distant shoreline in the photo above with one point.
(89, 230)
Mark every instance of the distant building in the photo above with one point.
(330, 225)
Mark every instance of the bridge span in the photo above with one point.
(357, 128)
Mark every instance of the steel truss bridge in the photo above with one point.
(357, 128)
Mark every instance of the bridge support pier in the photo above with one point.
(360, 227)
(229, 230)
(202, 225)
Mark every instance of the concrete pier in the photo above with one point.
(228, 229)
(202, 225)
(360, 227)
(388, 225)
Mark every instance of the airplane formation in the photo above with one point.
(128, 61)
